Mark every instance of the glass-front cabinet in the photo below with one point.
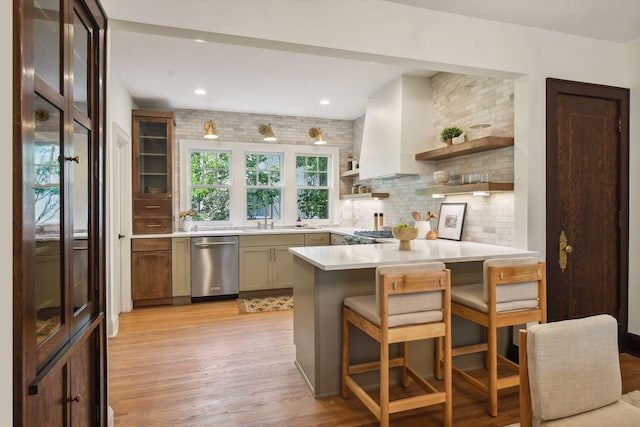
(59, 215)
(152, 154)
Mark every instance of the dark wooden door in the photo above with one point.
(587, 200)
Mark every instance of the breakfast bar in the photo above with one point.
(325, 275)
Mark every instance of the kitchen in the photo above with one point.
(489, 216)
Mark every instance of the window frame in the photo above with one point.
(190, 185)
(238, 203)
(315, 187)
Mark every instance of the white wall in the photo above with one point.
(118, 129)
(6, 216)
(634, 197)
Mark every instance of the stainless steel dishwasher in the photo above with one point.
(214, 267)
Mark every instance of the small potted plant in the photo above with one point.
(187, 219)
(449, 133)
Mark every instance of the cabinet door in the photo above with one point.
(82, 398)
(150, 275)
(255, 268)
(282, 267)
(52, 399)
(180, 271)
(152, 156)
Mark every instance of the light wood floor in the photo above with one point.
(206, 365)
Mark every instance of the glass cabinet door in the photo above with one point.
(51, 321)
(153, 168)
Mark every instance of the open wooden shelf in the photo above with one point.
(465, 188)
(469, 147)
(350, 173)
(366, 196)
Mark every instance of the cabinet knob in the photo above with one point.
(73, 159)
(75, 398)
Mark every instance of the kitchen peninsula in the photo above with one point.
(324, 276)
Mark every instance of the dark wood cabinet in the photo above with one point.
(151, 271)
(151, 171)
(59, 198)
(67, 395)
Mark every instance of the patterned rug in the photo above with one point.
(632, 398)
(259, 305)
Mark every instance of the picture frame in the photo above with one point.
(451, 220)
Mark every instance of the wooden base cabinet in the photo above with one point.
(265, 261)
(68, 394)
(151, 271)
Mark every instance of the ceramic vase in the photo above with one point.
(187, 223)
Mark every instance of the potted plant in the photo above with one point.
(449, 133)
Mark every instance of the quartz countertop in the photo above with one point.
(248, 232)
(370, 256)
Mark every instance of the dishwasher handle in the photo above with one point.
(212, 244)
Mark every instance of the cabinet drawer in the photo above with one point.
(140, 245)
(152, 225)
(158, 207)
(272, 240)
(317, 239)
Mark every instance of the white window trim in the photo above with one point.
(238, 203)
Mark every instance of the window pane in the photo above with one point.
(323, 163)
(262, 169)
(80, 64)
(46, 169)
(81, 288)
(46, 27)
(210, 204)
(261, 202)
(322, 179)
(313, 204)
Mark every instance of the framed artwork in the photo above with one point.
(451, 220)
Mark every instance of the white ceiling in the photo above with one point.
(161, 67)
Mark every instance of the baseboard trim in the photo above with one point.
(114, 325)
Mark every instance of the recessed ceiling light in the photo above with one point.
(198, 40)
(325, 102)
(200, 92)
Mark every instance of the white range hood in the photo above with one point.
(398, 124)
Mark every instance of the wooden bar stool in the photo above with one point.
(412, 302)
(513, 292)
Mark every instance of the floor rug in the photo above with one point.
(259, 305)
(632, 398)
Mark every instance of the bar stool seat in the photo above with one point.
(513, 292)
(412, 302)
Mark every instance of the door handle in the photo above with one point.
(75, 158)
(565, 249)
(121, 236)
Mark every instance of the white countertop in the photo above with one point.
(370, 256)
(248, 232)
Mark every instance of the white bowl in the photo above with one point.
(441, 177)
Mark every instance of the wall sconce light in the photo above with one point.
(481, 193)
(210, 130)
(317, 134)
(267, 132)
(437, 196)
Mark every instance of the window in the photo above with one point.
(264, 186)
(210, 183)
(230, 183)
(312, 182)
